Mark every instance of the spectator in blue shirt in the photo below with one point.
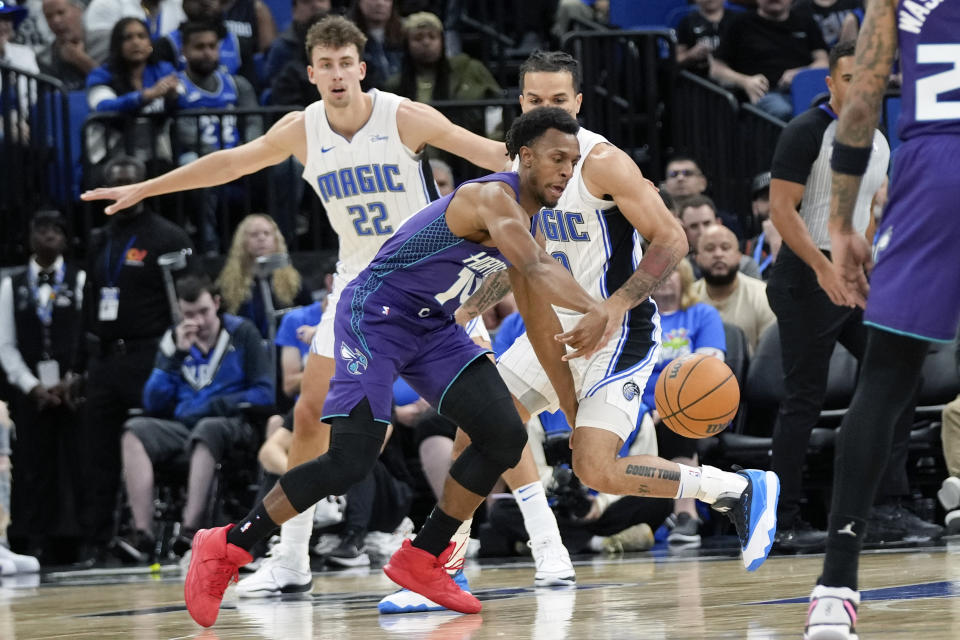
(294, 336)
(686, 326)
(206, 366)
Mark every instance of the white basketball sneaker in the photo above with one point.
(552, 561)
(832, 614)
(284, 570)
(23, 564)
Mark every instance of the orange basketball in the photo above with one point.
(697, 395)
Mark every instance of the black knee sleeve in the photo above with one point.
(354, 447)
(480, 404)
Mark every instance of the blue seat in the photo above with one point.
(807, 85)
(891, 113)
(630, 14)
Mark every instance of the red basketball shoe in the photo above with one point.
(418, 570)
(214, 563)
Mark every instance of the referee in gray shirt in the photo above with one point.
(804, 284)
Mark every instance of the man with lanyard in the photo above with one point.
(40, 329)
(802, 290)
(126, 311)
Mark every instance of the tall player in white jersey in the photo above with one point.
(362, 155)
(595, 231)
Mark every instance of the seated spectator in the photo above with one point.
(832, 18)
(291, 87)
(764, 247)
(380, 22)
(160, 16)
(697, 213)
(762, 51)
(684, 178)
(257, 235)
(72, 55)
(587, 10)
(232, 58)
(33, 30)
(206, 366)
(741, 301)
(252, 22)
(698, 35)
(206, 86)
(443, 176)
(949, 493)
(289, 44)
(294, 337)
(427, 74)
(40, 332)
(687, 326)
(21, 58)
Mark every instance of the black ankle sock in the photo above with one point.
(845, 536)
(250, 530)
(436, 532)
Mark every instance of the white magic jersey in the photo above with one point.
(368, 185)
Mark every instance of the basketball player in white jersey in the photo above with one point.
(362, 154)
(595, 232)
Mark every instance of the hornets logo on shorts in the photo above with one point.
(355, 359)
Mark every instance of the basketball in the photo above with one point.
(697, 395)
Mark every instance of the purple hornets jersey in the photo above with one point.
(929, 35)
(425, 268)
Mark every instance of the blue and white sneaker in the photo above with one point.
(754, 514)
(406, 601)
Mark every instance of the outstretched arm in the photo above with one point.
(421, 124)
(285, 138)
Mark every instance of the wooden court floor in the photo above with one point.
(907, 595)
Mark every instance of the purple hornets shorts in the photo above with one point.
(915, 286)
(378, 339)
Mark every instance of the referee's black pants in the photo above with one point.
(810, 326)
(115, 384)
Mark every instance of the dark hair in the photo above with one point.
(551, 62)
(191, 286)
(189, 29)
(49, 218)
(125, 161)
(533, 124)
(695, 201)
(408, 73)
(682, 157)
(334, 32)
(118, 66)
(841, 50)
(393, 32)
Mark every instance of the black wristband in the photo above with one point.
(850, 160)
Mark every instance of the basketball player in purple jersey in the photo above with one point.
(914, 289)
(397, 318)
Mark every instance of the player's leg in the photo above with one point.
(287, 568)
(356, 439)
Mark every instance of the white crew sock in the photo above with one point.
(715, 484)
(460, 541)
(538, 518)
(295, 537)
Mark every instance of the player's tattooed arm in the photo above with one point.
(492, 290)
(657, 264)
(876, 47)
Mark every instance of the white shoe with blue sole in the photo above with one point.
(406, 601)
(754, 514)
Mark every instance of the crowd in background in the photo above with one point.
(96, 354)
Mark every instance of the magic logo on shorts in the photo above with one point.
(631, 390)
(355, 359)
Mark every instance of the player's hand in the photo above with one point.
(186, 335)
(756, 87)
(124, 196)
(852, 258)
(591, 333)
